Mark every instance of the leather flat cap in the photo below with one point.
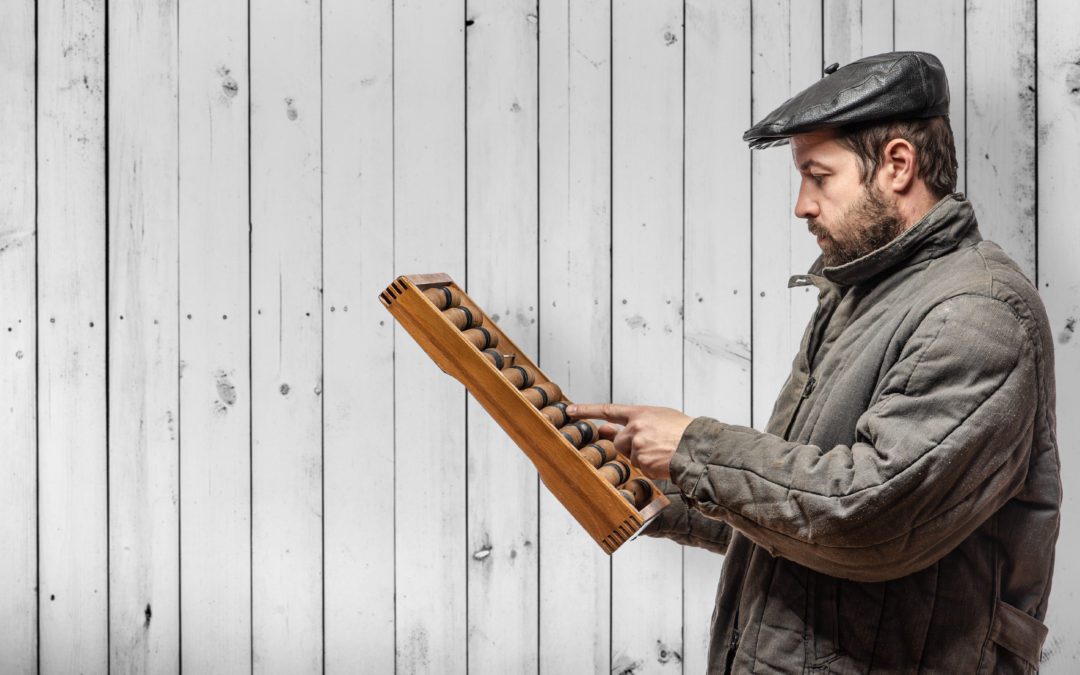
(891, 86)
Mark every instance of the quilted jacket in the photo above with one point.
(899, 512)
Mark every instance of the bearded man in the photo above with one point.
(900, 510)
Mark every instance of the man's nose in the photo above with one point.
(805, 206)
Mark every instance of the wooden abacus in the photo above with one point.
(607, 495)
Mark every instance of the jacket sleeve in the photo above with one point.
(687, 526)
(944, 445)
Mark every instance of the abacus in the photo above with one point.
(608, 496)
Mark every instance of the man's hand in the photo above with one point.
(648, 435)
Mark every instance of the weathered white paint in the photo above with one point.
(786, 58)
(716, 259)
(647, 299)
(286, 338)
(1058, 85)
(501, 197)
(73, 543)
(18, 353)
(378, 134)
(429, 407)
(575, 290)
(214, 417)
(1001, 124)
(144, 536)
(943, 37)
(358, 259)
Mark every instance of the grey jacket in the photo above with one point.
(900, 512)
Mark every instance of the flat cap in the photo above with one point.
(891, 86)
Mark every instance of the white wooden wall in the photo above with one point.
(217, 451)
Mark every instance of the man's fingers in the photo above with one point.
(609, 431)
(622, 441)
(612, 412)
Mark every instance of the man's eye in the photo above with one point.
(818, 178)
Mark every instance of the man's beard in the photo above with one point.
(865, 226)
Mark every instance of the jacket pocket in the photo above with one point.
(1016, 640)
(822, 638)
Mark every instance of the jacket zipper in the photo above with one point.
(730, 661)
(807, 389)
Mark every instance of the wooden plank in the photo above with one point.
(856, 28)
(286, 340)
(72, 496)
(358, 255)
(574, 309)
(144, 560)
(1001, 124)
(501, 145)
(647, 259)
(716, 338)
(786, 60)
(215, 329)
(18, 318)
(1058, 87)
(429, 422)
(944, 38)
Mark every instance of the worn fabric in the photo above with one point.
(900, 511)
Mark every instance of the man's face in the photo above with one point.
(849, 218)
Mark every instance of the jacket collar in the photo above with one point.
(948, 224)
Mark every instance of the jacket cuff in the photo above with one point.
(701, 439)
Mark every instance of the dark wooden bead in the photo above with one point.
(463, 317)
(481, 337)
(443, 297)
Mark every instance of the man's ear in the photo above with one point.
(897, 170)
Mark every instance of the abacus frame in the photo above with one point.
(596, 504)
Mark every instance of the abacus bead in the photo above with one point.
(572, 434)
(443, 297)
(606, 449)
(615, 472)
(543, 394)
(628, 497)
(519, 376)
(556, 415)
(494, 356)
(481, 337)
(642, 491)
(463, 317)
(589, 431)
(592, 455)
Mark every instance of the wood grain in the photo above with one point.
(944, 38)
(786, 60)
(18, 353)
(215, 329)
(1058, 84)
(574, 309)
(647, 294)
(72, 459)
(286, 339)
(144, 556)
(716, 276)
(429, 408)
(358, 255)
(1001, 124)
(501, 198)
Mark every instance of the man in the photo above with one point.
(899, 512)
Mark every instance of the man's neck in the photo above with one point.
(915, 204)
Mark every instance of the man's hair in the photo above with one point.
(935, 151)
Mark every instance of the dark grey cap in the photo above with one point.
(891, 86)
